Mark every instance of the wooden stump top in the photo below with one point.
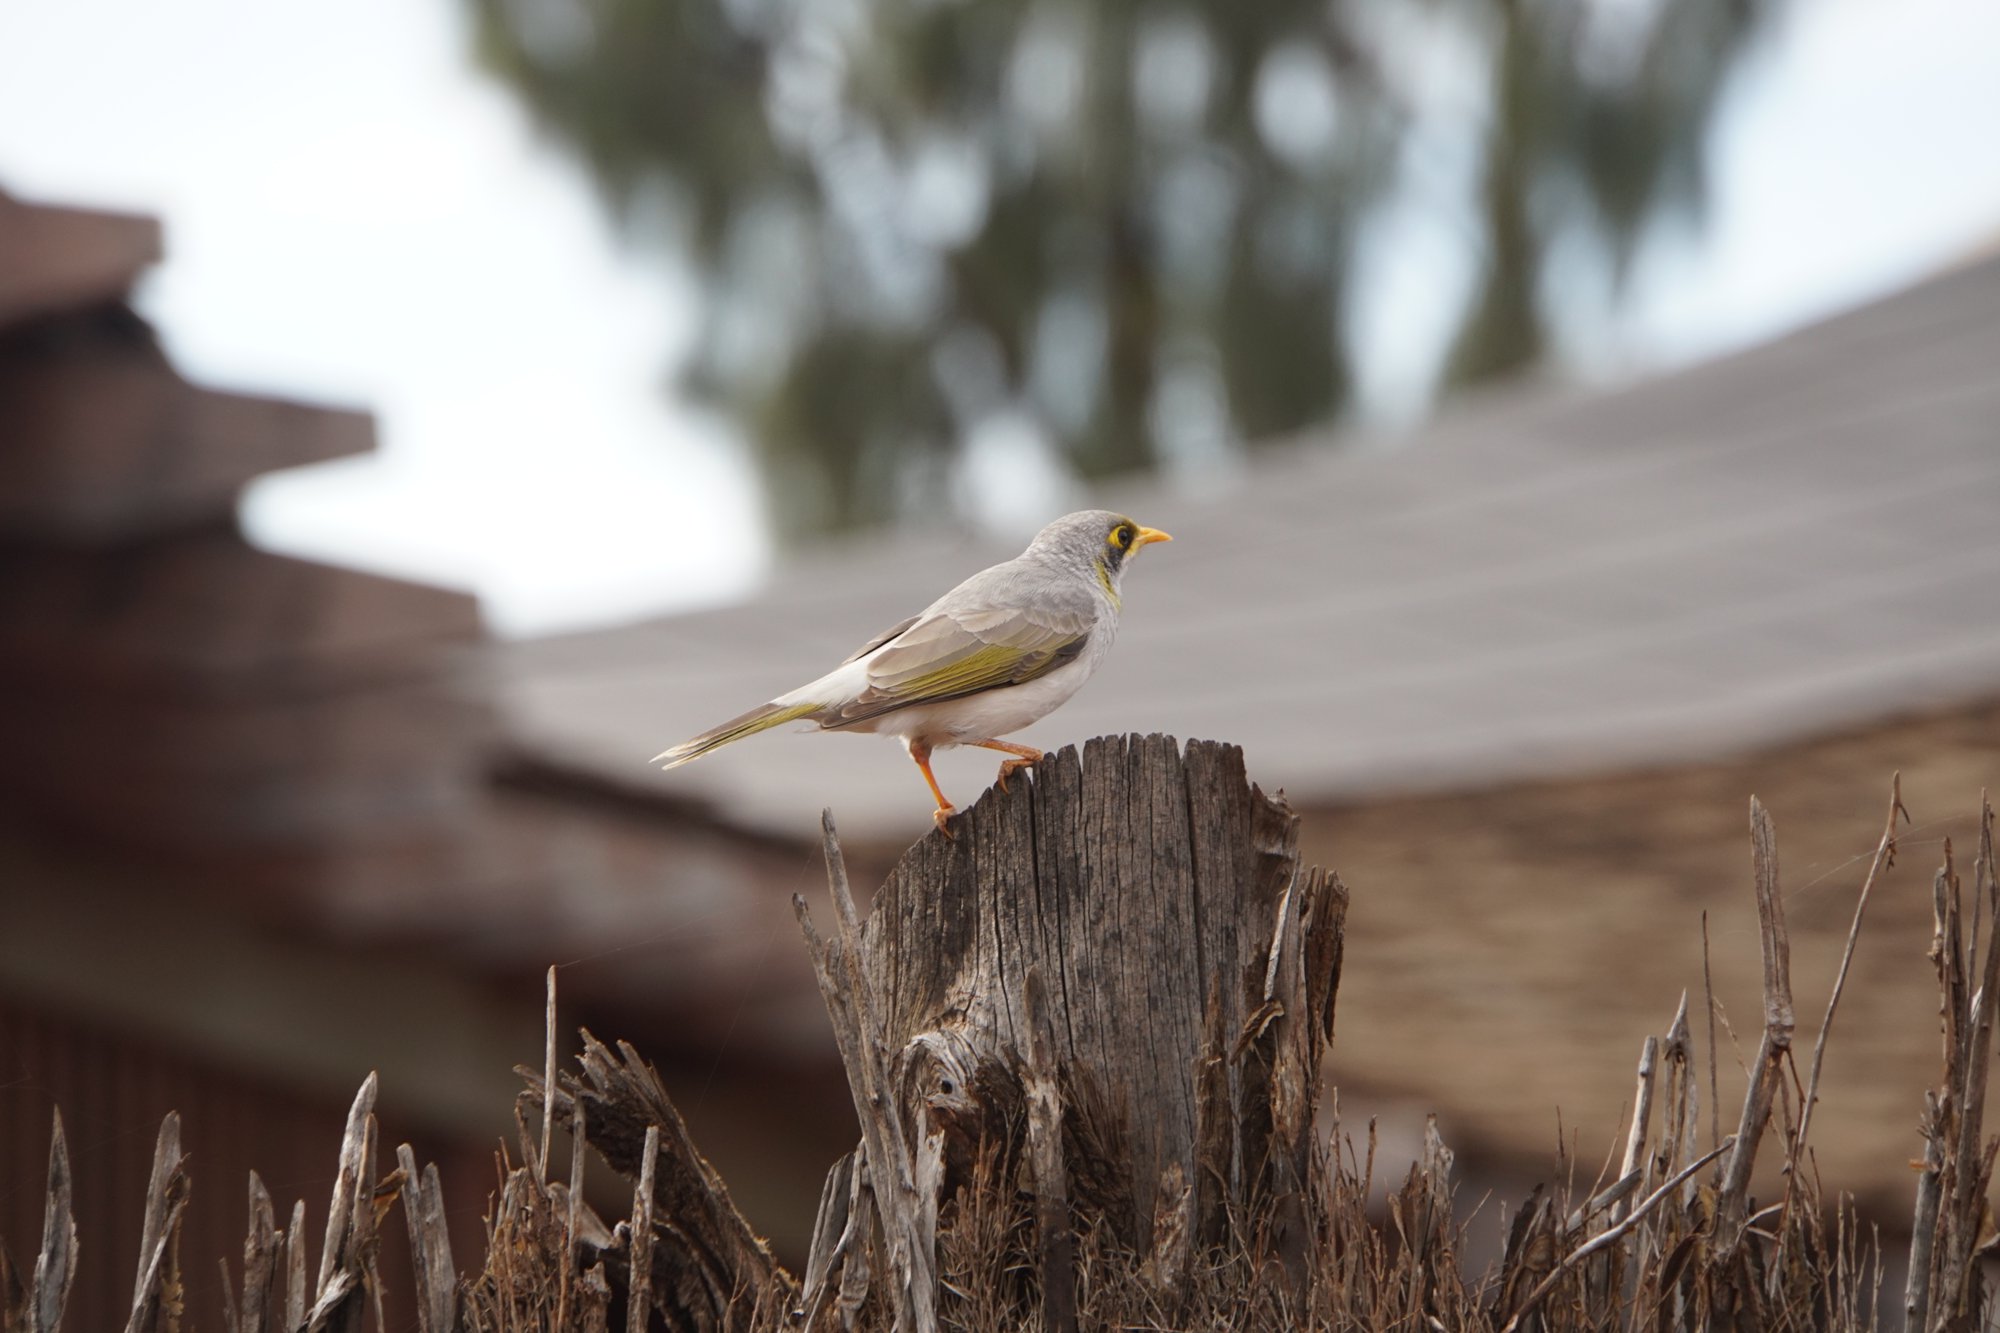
(1158, 894)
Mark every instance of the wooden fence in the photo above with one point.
(1084, 1037)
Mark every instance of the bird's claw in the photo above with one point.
(1012, 766)
(943, 816)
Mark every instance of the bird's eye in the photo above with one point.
(1122, 534)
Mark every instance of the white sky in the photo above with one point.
(1860, 152)
(354, 214)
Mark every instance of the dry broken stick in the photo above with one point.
(833, 1236)
(1885, 857)
(579, 1130)
(1923, 1233)
(548, 1077)
(262, 1309)
(1633, 1168)
(430, 1245)
(1940, 1118)
(639, 1295)
(1777, 1041)
(1971, 1162)
(1680, 1117)
(156, 1293)
(295, 1267)
(844, 985)
(55, 1267)
(1943, 1283)
(347, 1263)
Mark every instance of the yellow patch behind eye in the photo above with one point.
(1121, 536)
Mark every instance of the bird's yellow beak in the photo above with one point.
(1147, 536)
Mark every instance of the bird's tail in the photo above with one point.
(761, 718)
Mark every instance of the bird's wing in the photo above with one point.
(971, 641)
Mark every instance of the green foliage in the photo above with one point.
(1133, 222)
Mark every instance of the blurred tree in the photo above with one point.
(1129, 223)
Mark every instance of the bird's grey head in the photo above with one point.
(1095, 542)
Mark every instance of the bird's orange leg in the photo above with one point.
(1028, 757)
(945, 810)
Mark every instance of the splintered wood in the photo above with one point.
(1152, 903)
(1084, 1040)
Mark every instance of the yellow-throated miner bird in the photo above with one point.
(1002, 650)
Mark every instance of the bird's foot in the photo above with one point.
(1012, 766)
(943, 816)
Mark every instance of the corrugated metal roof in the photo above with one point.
(1795, 538)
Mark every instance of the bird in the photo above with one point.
(1000, 651)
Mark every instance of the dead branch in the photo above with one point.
(55, 1267)
(156, 1293)
(843, 984)
(1885, 856)
(1777, 1040)
(430, 1245)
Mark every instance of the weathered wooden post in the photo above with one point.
(1114, 983)
(1083, 1036)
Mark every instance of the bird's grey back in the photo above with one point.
(1056, 590)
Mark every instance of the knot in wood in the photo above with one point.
(935, 1075)
(947, 1088)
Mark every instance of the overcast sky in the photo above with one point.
(356, 215)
